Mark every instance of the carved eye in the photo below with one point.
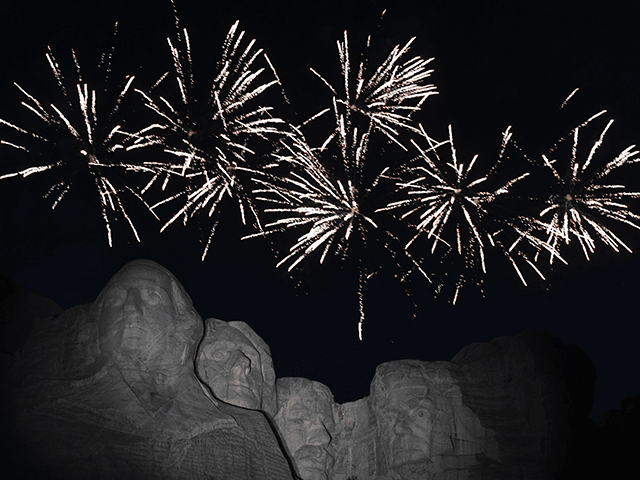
(420, 414)
(218, 355)
(152, 298)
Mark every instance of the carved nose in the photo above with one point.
(132, 303)
(241, 366)
(401, 427)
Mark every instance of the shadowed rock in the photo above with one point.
(532, 390)
(236, 364)
(620, 439)
(19, 312)
(355, 441)
(108, 390)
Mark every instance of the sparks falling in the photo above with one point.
(583, 200)
(93, 144)
(389, 96)
(328, 206)
(450, 209)
(311, 196)
(206, 139)
(325, 208)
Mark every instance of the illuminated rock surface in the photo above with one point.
(516, 407)
(109, 390)
(355, 441)
(305, 423)
(424, 428)
(236, 364)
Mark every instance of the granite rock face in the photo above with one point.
(235, 363)
(137, 385)
(500, 410)
(424, 428)
(525, 388)
(413, 426)
(355, 441)
(109, 390)
(305, 423)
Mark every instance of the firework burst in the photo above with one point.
(583, 199)
(323, 190)
(389, 96)
(327, 209)
(85, 147)
(311, 197)
(206, 139)
(446, 205)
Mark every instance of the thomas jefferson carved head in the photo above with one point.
(236, 364)
(304, 419)
(146, 320)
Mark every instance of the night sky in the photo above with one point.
(496, 64)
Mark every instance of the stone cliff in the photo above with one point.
(138, 385)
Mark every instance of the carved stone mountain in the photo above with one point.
(501, 410)
(524, 388)
(137, 385)
(109, 390)
(235, 363)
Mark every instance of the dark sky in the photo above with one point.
(496, 64)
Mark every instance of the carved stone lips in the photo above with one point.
(401, 457)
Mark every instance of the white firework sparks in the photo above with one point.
(210, 137)
(327, 209)
(583, 200)
(212, 179)
(310, 197)
(389, 96)
(223, 118)
(445, 196)
(94, 144)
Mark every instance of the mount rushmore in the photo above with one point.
(138, 385)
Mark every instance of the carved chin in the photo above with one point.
(311, 469)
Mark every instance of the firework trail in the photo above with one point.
(327, 203)
(208, 138)
(310, 196)
(93, 144)
(582, 200)
(388, 97)
(328, 210)
(453, 212)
